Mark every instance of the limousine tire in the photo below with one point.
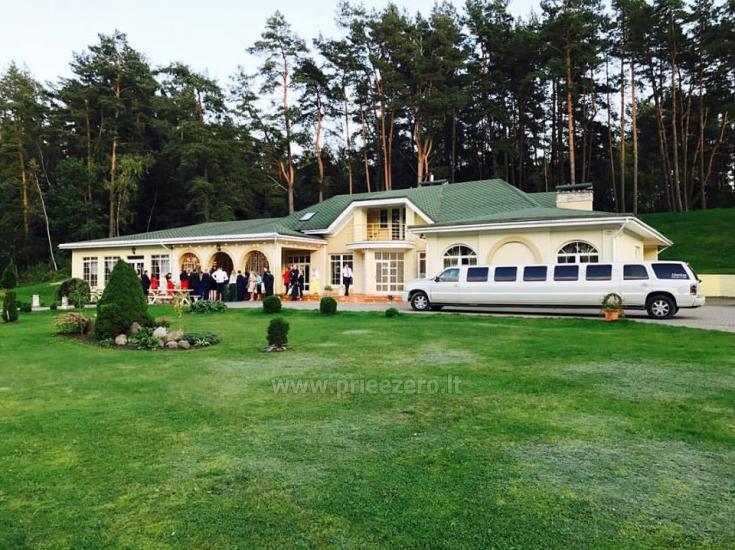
(661, 306)
(420, 302)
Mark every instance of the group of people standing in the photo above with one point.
(216, 284)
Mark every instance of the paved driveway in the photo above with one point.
(718, 314)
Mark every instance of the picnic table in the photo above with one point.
(164, 296)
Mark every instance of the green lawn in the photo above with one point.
(46, 291)
(702, 238)
(564, 433)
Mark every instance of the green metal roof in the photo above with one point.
(483, 201)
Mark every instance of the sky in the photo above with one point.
(209, 35)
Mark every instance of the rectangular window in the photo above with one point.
(337, 262)
(633, 272)
(670, 271)
(160, 265)
(477, 274)
(388, 271)
(110, 262)
(599, 272)
(566, 272)
(534, 273)
(422, 265)
(506, 274)
(384, 218)
(89, 270)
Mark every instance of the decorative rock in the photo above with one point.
(134, 329)
(160, 333)
(172, 345)
(121, 340)
(183, 344)
(174, 336)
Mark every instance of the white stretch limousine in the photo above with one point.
(661, 288)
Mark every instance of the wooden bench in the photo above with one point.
(162, 296)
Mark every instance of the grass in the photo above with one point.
(564, 433)
(702, 237)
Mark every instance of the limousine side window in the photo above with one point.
(534, 273)
(599, 272)
(450, 275)
(506, 274)
(566, 272)
(670, 271)
(477, 274)
(634, 272)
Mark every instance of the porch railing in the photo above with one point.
(380, 232)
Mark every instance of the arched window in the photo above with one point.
(256, 262)
(460, 255)
(189, 262)
(577, 252)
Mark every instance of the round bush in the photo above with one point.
(8, 280)
(122, 303)
(328, 305)
(278, 332)
(391, 312)
(25, 307)
(271, 304)
(10, 308)
(72, 323)
(76, 290)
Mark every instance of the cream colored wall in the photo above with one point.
(718, 285)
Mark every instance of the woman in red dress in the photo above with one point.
(169, 284)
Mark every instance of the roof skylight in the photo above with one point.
(306, 217)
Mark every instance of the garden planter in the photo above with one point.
(612, 315)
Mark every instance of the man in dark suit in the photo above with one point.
(145, 282)
(268, 282)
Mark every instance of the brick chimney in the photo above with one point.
(575, 197)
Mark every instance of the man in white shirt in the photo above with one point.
(347, 278)
(220, 277)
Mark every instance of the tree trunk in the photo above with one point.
(363, 132)
(289, 173)
(700, 148)
(634, 131)
(611, 148)
(623, 202)
(113, 229)
(674, 132)
(23, 177)
(348, 141)
(570, 111)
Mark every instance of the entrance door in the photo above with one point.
(138, 263)
(302, 262)
(388, 272)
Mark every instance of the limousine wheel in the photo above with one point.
(420, 301)
(661, 307)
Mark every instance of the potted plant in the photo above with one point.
(612, 306)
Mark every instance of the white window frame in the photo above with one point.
(90, 270)
(158, 262)
(335, 274)
(459, 254)
(421, 265)
(396, 272)
(109, 265)
(578, 252)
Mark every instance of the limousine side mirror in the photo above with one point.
(437, 279)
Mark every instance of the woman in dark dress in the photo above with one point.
(205, 286)
(195, 283)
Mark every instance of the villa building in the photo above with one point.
(389, 237)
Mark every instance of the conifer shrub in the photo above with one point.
(278, 332)
(10, 307)
(271, 304)
(8, 280)
(391, 312)
(328, 305)
(121, 304)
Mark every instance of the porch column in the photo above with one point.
(368, 276)
(276, 268)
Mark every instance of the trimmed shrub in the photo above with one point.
(10, 307)
(328, 305)
(76, 290)
(54, 306)
(72, 323)
(278, 332)
(8, 280)
(391, 312)
(25, 307)
(271, 304)
(208, 306)
(201, 339)
(122, 303)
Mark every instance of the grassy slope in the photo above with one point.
(702, 238)
(566, 433)
(46, 292)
